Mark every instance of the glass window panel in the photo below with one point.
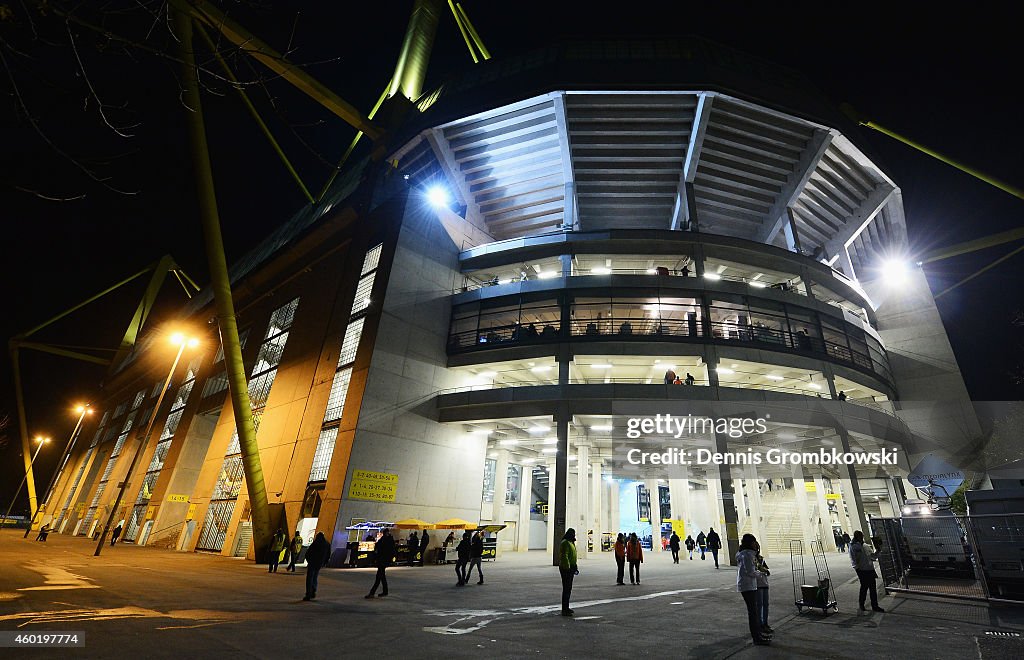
(490, 468)
(364, 288)
(322, 456)
(372, 259)
(339, 391)
(512, 480)
(350, 343)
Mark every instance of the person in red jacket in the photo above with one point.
(635, 557)
(620, 557)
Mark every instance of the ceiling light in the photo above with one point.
(601, 366)
(723, 370)
(509, 442)
(480, 432)
(527, 461)
(541, 369)
(487, 374)
(652, 271)
(548, 274)
(771, 377)
(600, 270)
(759, 285)
(814, 386)
(550, 450)
(539, 429)
(786, 436)
(507, 280)
(551, 441)
(602, 427)
(712, 276)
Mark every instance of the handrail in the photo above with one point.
(658, 329)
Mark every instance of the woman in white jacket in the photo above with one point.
(746, 583)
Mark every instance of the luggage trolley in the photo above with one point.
(820, 595)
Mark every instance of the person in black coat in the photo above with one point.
(317, 554)
(384, 552)
(464, 551)
(414, 546)
(714, 544)
(116, 534)
(673, 544)
(424, 542)
(477, 560)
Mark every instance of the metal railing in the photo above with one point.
(662, 329)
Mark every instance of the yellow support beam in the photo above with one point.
(972, 246)
(276, 62)
(473, 33)
(462, 30)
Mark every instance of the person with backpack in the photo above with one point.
(702, 543)
(714, 544)
(620, 558)
(690, 545)
(294, 549)
(276, 547)
(464, 551)
(635, 557)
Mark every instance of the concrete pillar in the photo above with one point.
(894, 498)
(614, 524)
(828, 541)
(679, 495)
(500, 487)
(740, 501)
(713, 515)
(582, 517)
(728, 531)
(804, 531)
(552, 547)
(596, 508)
(652, 487)
(851, 490)
(525, 503)
(753, 489)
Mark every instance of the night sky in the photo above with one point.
(944, 79)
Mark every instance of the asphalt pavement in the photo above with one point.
(154, 603)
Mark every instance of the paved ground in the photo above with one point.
(154, 603)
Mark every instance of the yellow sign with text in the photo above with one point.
(191, 512)
(177, 498)
(833, 496)
(810, 487)
(149, 512)
(375, 486)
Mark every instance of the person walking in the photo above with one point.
(477, 557)
(384, 552)
(863, 563)
(635, 557)
(702, 543)
(690, 545)
(620, 558)
(276, 546)
(762, 589)
(714, 544)
(464, 551)
(673, 544)
(567, 567)
(746, 583)
(413, 544)
(294, 550)
(424, 542)
(846, 541)
(115, 534)
(43, 532)
(316, 558)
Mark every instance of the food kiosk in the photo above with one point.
(363, 542)
(490, 533)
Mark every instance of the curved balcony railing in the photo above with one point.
(671, 330)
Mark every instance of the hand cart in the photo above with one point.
(822, 594)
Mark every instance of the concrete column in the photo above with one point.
(552, 547)
(828, 541)
(500, 487)
(805, 531)
(614, 524)
(713, 515)
(652, 487)
(741, 503)
(525, 502)
(679, 494)
(729, 532)
(753, 489)
(582, 517)
(894, 498)
(596, 508)
(851, 491)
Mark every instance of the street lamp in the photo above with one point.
(42, 441)
(83, 410)
(181, 341)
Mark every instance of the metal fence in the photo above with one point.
(977, 557)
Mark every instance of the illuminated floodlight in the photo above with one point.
(895, 272)
(438, 196)
(652, 271)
